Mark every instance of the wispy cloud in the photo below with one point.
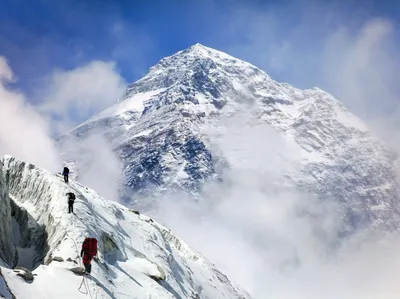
(275, 241)
(361, 69)
(72, 96)
(39, 38)
(131, 47)
(23, 132)
(343, 48)
(69, 97)
(98, 165)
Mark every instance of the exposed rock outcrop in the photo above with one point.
(7, 248)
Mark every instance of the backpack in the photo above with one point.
(66, 170)
(90, 246)
(71, 197)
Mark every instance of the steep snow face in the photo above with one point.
(138, 258)
(7, 249)
(157, 131)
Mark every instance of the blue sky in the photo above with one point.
(290, 40)
(38, 36)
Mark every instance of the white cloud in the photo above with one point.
(329, 45)
(360, 68)
(99, 166)
(75, 95)
(6, 74)
(23, 132)
(334, 46)
(272, 239)
(69, 98)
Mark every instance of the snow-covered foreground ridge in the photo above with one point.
(138, 258)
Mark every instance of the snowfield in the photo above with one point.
(138, 258)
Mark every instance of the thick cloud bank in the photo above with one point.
(272, 239)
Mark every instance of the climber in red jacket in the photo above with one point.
(89, 250)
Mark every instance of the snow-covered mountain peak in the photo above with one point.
(197, 68)
(202, 81)
(157, 130)
(200, 50)
(138, 257)
(199, 54)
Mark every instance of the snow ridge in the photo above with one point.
(138, 258)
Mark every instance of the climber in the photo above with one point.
(65, 174)
(71, 201)
(89, 250)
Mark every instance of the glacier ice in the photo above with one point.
(138, 257)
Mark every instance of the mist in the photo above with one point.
(69, 97)
(66, 98)
(338, 46)
(24, 133)
(276, 241)
(95, 164)
(255, 229)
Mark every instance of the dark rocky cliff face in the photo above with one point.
(7, 249)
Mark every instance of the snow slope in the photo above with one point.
(163, 146)
(138, 258)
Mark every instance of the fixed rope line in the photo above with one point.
(87, 285)
(80, 286)
(80, 263)
(62, 187)
(84, 280)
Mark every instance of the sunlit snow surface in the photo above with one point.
(145, 248)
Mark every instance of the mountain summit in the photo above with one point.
(156, 130)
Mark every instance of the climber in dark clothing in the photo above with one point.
(71, 201)
(88, 252)
(65, 174)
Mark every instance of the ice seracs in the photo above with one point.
(138, 257)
